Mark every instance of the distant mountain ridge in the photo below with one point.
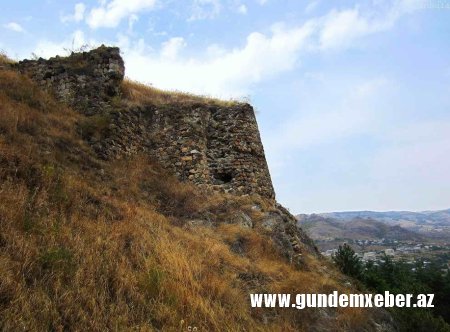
(440, 217)
(396, 225)
(325, 228)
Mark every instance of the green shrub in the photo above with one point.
(347, 261)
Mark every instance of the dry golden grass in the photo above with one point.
(87, 245)
(4, 59)
(139, 93)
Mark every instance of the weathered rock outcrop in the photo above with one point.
(217, 146)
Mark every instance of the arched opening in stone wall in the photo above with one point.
(223, 177)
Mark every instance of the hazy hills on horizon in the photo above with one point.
(437, 217)
(326, 228)
(394, 225)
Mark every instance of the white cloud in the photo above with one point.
(242, 9)
(172, 47)
(226, 72)
(234, 71)
(311, 6)
(79, 11)
(409, 5)
(131, 20)
(13, 26)
(205, 9)
(77, 39)
(262, 2)
(110, 14)
(220, 72)
(341, 28)
(78, 14)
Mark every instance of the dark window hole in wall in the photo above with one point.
(223, 177)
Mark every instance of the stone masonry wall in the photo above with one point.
(209, 145)
(86, 81)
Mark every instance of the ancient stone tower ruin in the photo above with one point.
(217, 146)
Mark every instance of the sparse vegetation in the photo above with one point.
(4, 59)
(80, 49)
(136, 92)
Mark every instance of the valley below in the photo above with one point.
(402, 235)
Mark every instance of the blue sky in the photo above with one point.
(352, 97)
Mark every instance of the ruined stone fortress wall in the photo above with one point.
(86, 81)
(212, 145)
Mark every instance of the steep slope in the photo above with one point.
(95, 244)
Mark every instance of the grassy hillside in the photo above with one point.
(89, 245)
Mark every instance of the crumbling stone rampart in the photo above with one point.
(86, 81)
(212, 145)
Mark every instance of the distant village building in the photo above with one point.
(329, 253)
(369, 256)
